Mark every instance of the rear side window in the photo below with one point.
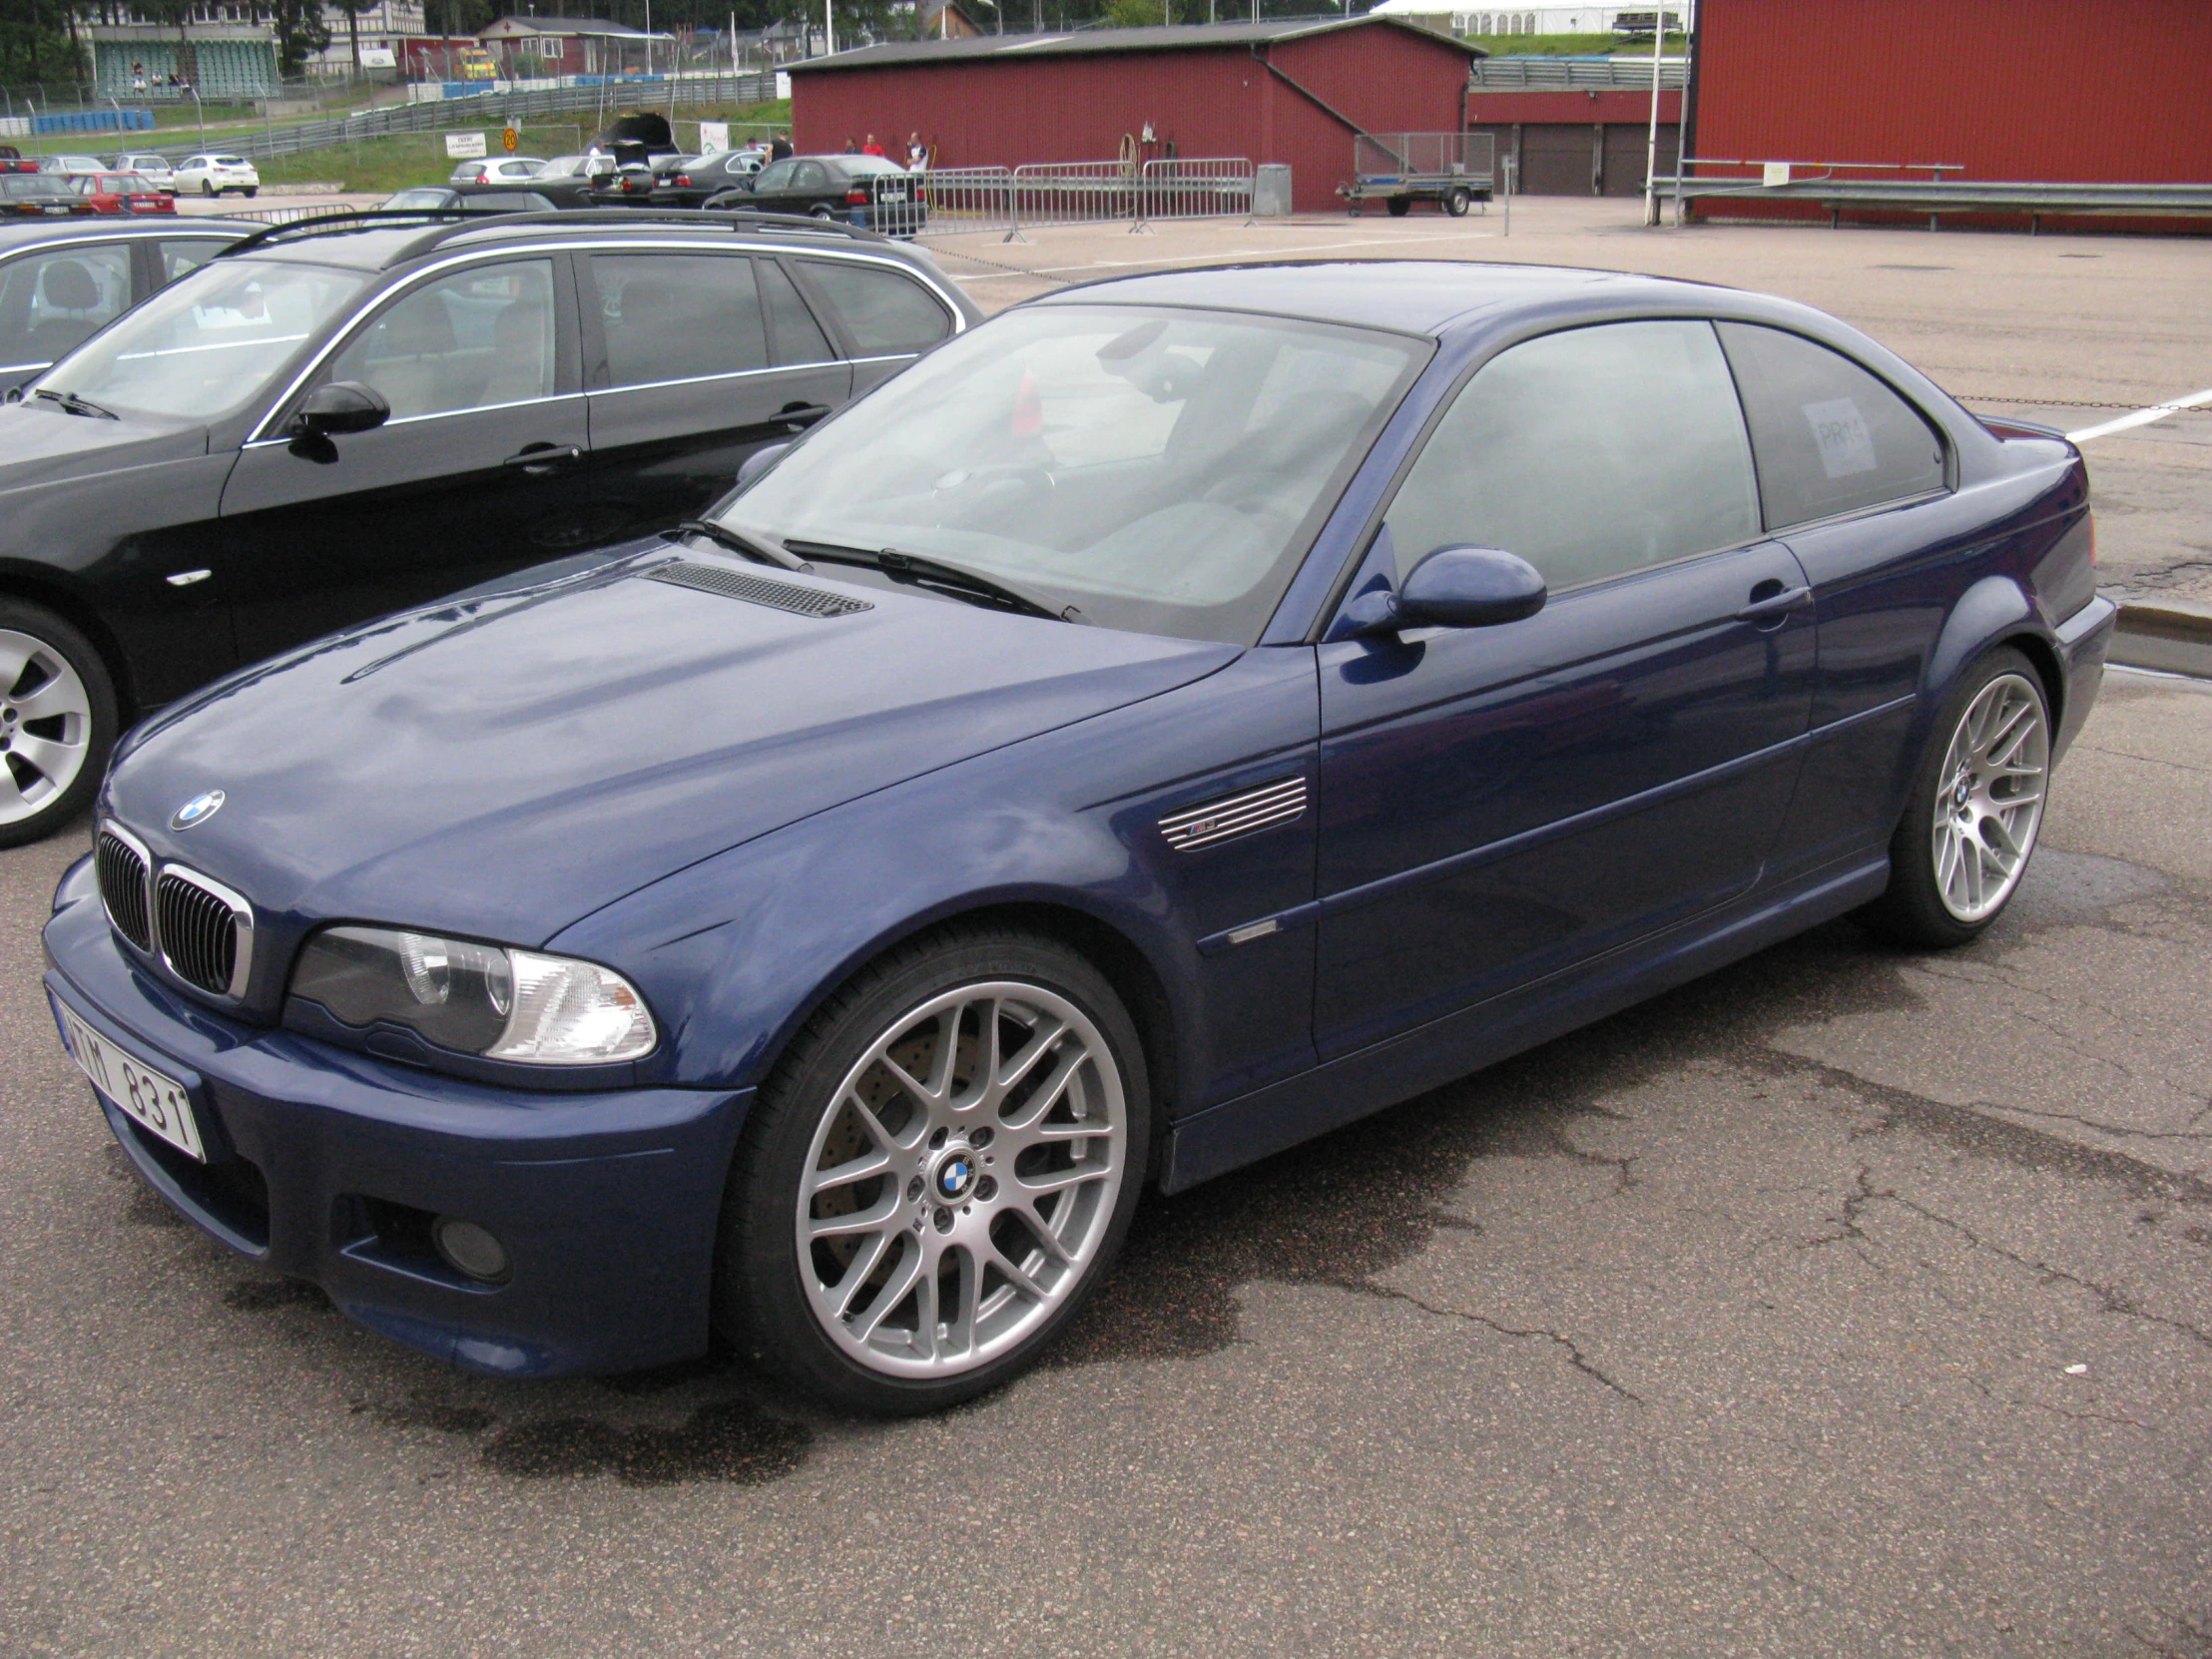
(1590, 453)
(1831, 438)
(798, 337)
(678, 316)
(188, 254)
(885, 314)
(51, 302)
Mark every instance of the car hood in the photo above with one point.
(41, 444)
(503, 767)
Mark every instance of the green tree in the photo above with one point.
(352, 10)
(301, 34)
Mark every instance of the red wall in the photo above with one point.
(1210, 101)
(2060, 90)
(1489, 109)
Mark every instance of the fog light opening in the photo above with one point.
(470, 1249)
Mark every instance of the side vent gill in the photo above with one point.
(777, 596)
(1244, 813)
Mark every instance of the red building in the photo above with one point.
(2060, 91)
(1294, 92)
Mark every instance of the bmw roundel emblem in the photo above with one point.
(953, 1177)
(197, 810)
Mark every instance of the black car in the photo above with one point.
(868, 191)
(693, 179)
(635, 181)
(62, 281)
(482, 197)
(347, 415)
(568, 181)
(39, 196)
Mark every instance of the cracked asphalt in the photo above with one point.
(1846, 1302)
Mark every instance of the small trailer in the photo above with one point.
(1453, 170)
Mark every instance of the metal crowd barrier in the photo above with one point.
(1201, 187)
(1006, 202)
(289, 216)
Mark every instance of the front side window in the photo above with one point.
(1161, 470)
(885, 314)
(1831, 438)
(50, 302)
(777, 175)
(678, 316)
(210, 343)
(469, 340)
(1590, 452)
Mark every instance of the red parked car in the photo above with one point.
(13, 159)
(122, 193)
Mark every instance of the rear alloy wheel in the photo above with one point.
(817, 210)
(938, 1175)
(57, 721)
(1964, 845)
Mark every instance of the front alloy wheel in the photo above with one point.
(57, 720)
(955, 1148)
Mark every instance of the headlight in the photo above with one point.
(476, 999)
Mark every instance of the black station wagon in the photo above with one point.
(341, 417)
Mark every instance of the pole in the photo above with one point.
(1651, 139)
(829, 28)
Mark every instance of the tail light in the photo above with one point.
(856, 198)
(683, 177)
(921, 197)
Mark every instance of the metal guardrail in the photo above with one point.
(1524, 73)
(1934, 196)
(290, 216)
(1073, 193)
(1006, 202)
(970, 201)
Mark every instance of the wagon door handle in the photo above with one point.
(799, 416)
(542, 460)
(1770, 602)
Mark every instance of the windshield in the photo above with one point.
(1161, 470)
(207, 343)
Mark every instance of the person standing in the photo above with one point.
(850, 149)
(918, 154)
(872, 147)
(778, 147)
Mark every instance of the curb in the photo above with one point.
(2171, 635)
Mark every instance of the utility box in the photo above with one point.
(1271, 191)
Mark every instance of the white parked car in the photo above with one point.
(151, 167)
(72, 163)
(497, 170)
(215, 175)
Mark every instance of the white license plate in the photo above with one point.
(896, 193)
(157, 1101)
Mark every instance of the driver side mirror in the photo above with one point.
(340, 406)
(1453, 587)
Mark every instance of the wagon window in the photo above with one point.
(1830, 437)
(1589, 452)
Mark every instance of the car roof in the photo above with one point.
(16, 235)
(375, 241)
(1422, 296)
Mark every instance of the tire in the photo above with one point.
(1456, 203)
(1400, 206)
(250, 192)
(819, 210)
(207, 188)
(57, 722)
(885, 1317)
(1968, 831)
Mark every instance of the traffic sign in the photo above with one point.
(509, 140)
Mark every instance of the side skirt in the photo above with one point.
(1256, 1125)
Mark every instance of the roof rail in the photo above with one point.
(442, 225)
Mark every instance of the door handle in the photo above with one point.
(798, 416)
(542, 460)
(1774, 606)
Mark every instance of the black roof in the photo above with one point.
(14, 233)
(1420, 297)
(1169, 37)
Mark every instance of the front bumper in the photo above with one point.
(325, 1165)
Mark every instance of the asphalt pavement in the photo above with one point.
(1846, 1302)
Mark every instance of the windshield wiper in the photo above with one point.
(744, 546)
(956, 580)
(76, 406)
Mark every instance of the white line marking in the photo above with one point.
(2141, 418)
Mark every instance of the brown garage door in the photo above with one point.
(1579, 159)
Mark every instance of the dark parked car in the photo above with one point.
(345, 416)
(693, 179)
(62, 281)
(868, 191)
(635, 184)
(40, 196)
(498, 199)
(1179, 717)
(567, 181)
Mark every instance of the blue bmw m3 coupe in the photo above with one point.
(1176, 717)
